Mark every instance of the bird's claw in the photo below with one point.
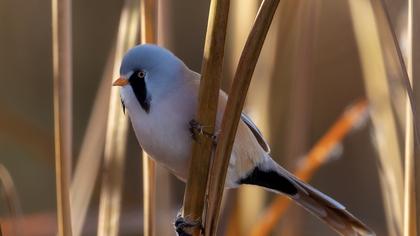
(198, 129)
(195, 129)
(181, 224)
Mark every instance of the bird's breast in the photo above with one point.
(164, 134)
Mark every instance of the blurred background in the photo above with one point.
(310, 70)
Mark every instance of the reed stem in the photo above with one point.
(62, 75)
(211, 73)
(409, 177)
(234, 106)
(148, 34)
(415, 76)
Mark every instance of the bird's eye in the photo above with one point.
(141, 74)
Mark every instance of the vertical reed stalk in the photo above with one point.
(62, 73)
(149, 195)
(116, 135)
(316, 157)
(409, 179)
(211, 73)
(367, 31)
(415, 76)
(90, 156)
(234, 106)
(148, 34)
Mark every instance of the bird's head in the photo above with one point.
(147, 73)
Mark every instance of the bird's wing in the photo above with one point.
(256, 132)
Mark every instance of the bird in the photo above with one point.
(160, 95)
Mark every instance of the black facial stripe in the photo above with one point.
(269, 179)
(139, 88)
(123, 105)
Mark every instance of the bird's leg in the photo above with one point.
(198, 129)
(181, 224)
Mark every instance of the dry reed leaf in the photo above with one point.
(90, 156)
(378, 92)
(62, 75)
(250, 199)
(116, 135)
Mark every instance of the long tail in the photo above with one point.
(272, 176)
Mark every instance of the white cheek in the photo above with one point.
(127, 95)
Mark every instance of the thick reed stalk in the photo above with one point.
(234, 106)
(211, 73)
(8, 189)
(148, 19)
(317, 156)
(415, 76)
(148, 34)
(62, 73)
(410, 219)
(372, 56)
(90, 156)
(149, 195)
(116, 135)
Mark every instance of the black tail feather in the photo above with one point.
(272, 176)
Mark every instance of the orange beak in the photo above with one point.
(120, 82)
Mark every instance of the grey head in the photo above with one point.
(147, 73)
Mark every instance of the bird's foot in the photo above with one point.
(183, 226)
(198, 129)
